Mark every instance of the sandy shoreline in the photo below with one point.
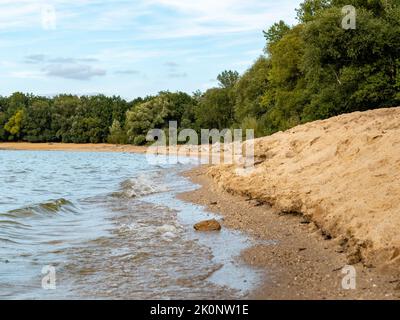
(342, 174)
(71, 147)
(304, 264)
(182, 150)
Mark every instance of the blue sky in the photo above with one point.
(130, 47)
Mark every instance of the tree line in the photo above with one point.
(313, 70)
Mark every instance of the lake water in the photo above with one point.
(110, 227)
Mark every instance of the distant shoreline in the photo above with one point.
(182, 150)
(73, 147)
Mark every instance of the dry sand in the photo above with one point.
(303, 263)
(328, 192)
(343, 174)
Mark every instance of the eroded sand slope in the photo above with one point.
(342, 173)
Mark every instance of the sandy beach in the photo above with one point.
(71, 147)
(181, 150)
(304, 263)
(341, 173)
(326, 193)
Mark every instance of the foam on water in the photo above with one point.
(111, 226)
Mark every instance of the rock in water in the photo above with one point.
(209, 225)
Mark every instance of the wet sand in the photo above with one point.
(304, 263)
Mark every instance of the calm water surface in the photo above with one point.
(110, 225)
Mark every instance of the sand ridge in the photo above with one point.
(343, 174)
(296, 259)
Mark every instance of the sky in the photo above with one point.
(130, 48)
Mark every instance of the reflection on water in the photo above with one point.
(111, 226)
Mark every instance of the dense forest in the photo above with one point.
(313, 70)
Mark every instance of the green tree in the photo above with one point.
(156, 114)
(351, 70)
(64, 108)
(377, 7)
(275, 33)
(15, 124)
(253, 124)
(215, 109)
(228, 78)
(286, 94)
(3, 118)
(86, 130)
(309, 9)
(37, 124)
(117, 134)
(250, 89)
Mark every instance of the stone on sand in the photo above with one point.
(208, 225)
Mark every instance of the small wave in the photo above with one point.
(55, 206)
(167, 229)
(168, 232)
(50, 207)
(13, 223)
(169, 236)
(8, 241)
(140, 186)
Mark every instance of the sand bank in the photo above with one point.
(302, 262)
(341, 174)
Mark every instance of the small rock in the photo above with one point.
(213, 203)
(258, 203)
(208, 225)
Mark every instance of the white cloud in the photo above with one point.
(27, 75)
(210, 17)
(131, 39)
(127, 72)
(177, 75)
(146, 20)
(73, 71)
(61, 67)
